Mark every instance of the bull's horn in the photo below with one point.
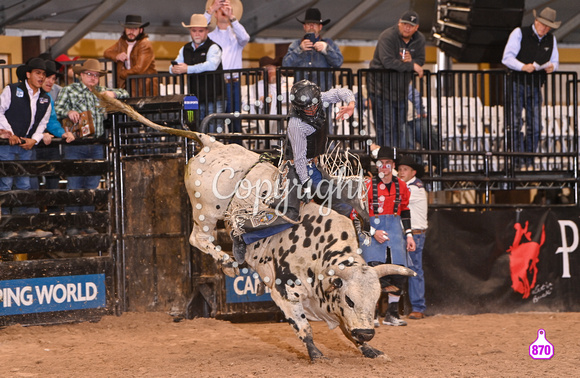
(390, 269)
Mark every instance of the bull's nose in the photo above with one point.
(363, 335)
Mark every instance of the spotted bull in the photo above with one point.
(315, 272)
(314, 269)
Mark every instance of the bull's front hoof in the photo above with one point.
(229, 269)
(315, 354)
(370, 352)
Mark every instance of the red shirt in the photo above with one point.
(386, 202)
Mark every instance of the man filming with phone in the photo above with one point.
(312, 51)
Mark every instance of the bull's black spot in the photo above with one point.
(322, 239)
(344, 235)
(314, 257)
(296, 294)
(327, 308)
(328, 225)
(218, 207)
(292, 249)
(307, 243)
(317, 231)
(349, 302)
(303, 316)
(257, 245)
(319, 219)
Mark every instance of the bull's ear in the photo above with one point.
(335, 283)
(390, 269)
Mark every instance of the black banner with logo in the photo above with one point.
(502, 261)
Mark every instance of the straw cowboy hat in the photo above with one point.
(133, 22)
(237, 10)
(198, 21)
(89, 65)
(313, 15)
(548, 17)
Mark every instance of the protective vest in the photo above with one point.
(206, 84)
(315, 144)
(19, 113)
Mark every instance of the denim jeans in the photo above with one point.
(19, 182)
(417, 283)
(233, 104)
(210, 108)
(83, 152)
(390, 119)
(528, 97)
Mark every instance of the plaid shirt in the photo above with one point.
(77, 96)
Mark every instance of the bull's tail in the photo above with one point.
(113, 105)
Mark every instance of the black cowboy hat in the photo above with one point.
(386, 152)
(52, 68)
(21, 72)
(133, 21)
(35, 64)
(410, 162)
(313, 15)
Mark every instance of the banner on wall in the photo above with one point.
(502, 261)
(37, 295)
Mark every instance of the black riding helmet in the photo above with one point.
(306, 102)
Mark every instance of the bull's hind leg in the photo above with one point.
(202, 240)
(297, 319)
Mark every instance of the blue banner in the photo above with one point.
(243, 288)
(34, 295)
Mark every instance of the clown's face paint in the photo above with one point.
(385, 167)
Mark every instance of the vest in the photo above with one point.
(208, 84)
(534, 50)
(19, 113)
(315, 144)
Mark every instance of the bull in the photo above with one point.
(314, 269)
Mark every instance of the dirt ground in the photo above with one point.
(153, 345)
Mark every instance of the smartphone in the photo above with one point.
(310, 36)
(174, 62)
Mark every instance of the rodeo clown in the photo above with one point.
(388, 198)
(306, 140)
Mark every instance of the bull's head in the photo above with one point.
(354, 293)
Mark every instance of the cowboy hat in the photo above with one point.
(385, 152)
(64, 58)
(268, 61)
(133, 22)
(237, 10)
(35, 64)
(52, 68)
(21, 72)
(410, 162)
(313, 15)
(548, 17)
(198, 21)
(89, 65)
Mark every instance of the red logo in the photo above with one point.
(524, 259)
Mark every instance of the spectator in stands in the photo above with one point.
(69, 78)
(72, 101)
(134, 55)
(400, 49)
(232, 37)
(53, 127)
(24, 112)
(201, 56)
(411, 172)
(531, 53)
(388, 198)
(312, 51)
(418, 125)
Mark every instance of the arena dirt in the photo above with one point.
(153, 345)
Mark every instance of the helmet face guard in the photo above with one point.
(306, 99)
